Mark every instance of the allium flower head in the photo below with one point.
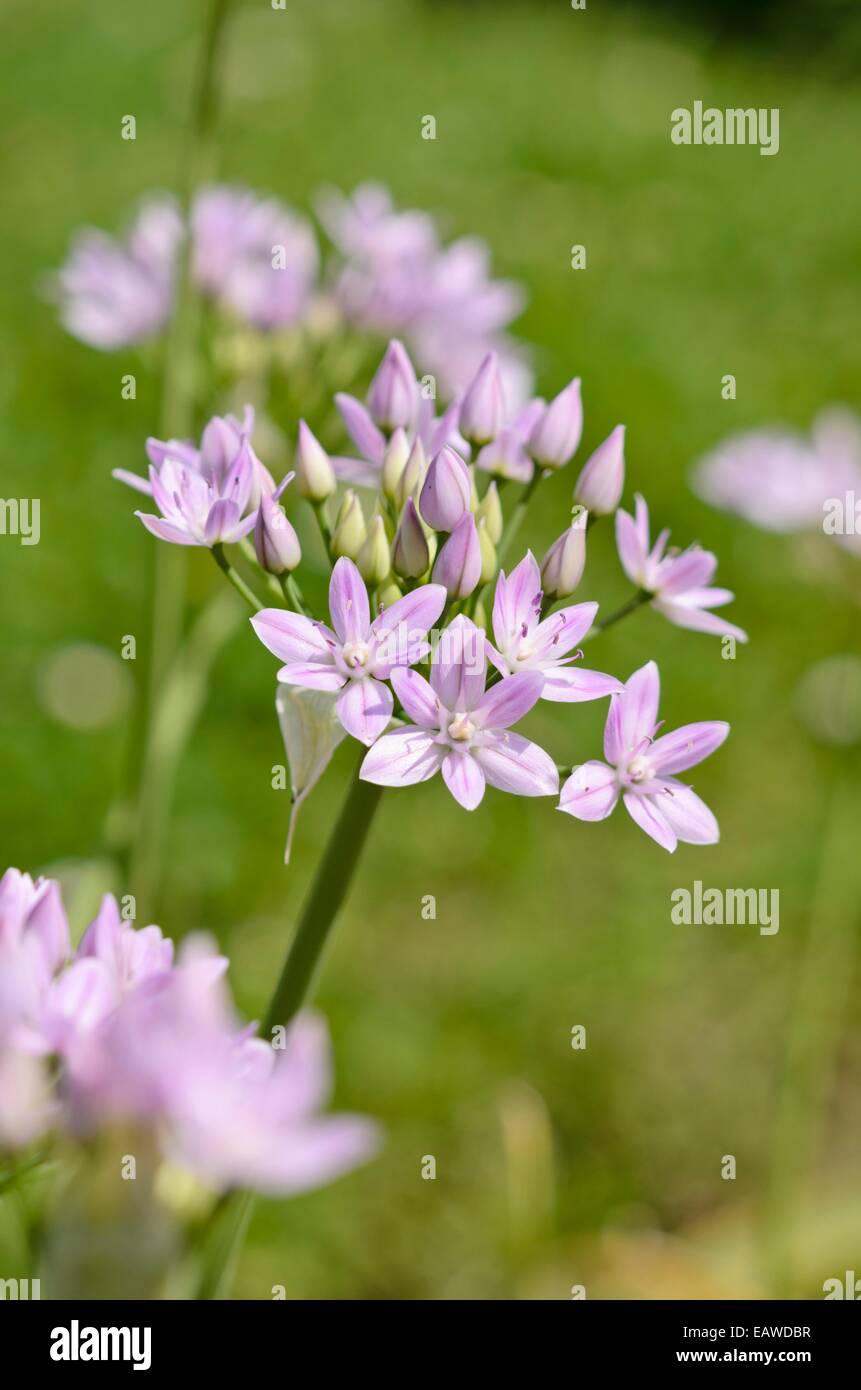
(461, 729)
(356, 655)
(639, 768)
(679, 583)
(526, 643)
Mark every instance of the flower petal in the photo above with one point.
(591, 792)
(688, 816)
(556, 636)
(417, 697)
(514, 603)
(165, 531)
(633, 714)
(365, 708)
(369, 440)
(311, 675)
(401, 758)
(697, 619)
(348, 602)
(464, 779)
(632, 552)
(644, 810)
(514, 764)
(291, 636)
(573, 684)
(509, 700)
(405, 623)
(687, 746)
(459, 665)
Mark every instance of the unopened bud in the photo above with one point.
(410, 553)
(394, 463)
(490, 511)
(563, 565)
(374, 559)
(315, 476)
(350, 531)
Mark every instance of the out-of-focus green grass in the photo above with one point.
(552, 129)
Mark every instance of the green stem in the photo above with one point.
(634, 602)
(515, 521)
(235, 578)
(328, 891)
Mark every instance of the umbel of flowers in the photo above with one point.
(432, 652)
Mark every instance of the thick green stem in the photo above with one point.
(328, 891)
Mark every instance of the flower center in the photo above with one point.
(461, 728)
(640, 769)
(355, 655)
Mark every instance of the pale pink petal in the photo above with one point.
(291, 636)
(509, 700)
(687, 746)
(365, 708)
(697, 619)
(399, 628)
(632, 554)
(517, 600)
(574, 684)
(312, 675)
(357, 471)
(633, 714)
(368, 439)
(464, 779)
(348, 602)
(690, 570)
(134, 480)
(644, 810)
(459, 665)
(591, 792)
(689, 817)
(165, 531)
(512, 764)
(402, 758)
(417, 697)
(560, 632)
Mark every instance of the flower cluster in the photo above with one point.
(121, 1032)
(260, 263)
(413, 668)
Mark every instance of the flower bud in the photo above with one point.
(315, 476)
(410, 553)
(556, 433)
(473, 488)
(490, 511)
(482, 410)
(393, 396)
(350, 531)
(374, 560)
(488, 553)
(413, 475)
(394, 462)
(445, 493)
(276, 544)
(563, 565)
(479, 614)
(458, 565)
(599, 487)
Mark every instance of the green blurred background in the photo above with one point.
(555, 1167)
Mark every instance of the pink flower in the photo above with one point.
(461, 729)
(117, 293)
(359, 655)
(525, 643)
(223, 440)
(678, 582)
(639, 769)
(782, 481)
(254, 254)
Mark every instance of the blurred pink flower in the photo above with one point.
(115, 293)
(782, 481)
(639, 768)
